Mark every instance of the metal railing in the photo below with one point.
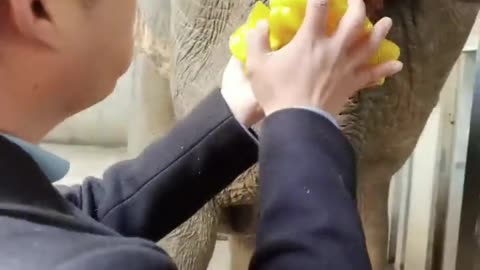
(432, 219)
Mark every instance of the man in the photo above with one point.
(58, 57)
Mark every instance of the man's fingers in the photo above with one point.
(258, 44)
(367, 49)
(352, 23)
(372, 75)
(315, 21)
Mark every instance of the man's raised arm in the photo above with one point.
(173, 178)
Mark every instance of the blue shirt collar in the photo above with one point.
(53, 166)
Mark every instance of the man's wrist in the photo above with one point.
(246, 113)
(322, 113)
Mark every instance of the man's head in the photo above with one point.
(58, 57)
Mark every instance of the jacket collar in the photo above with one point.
(22, 180)
(53, 166)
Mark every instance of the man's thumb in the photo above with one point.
(258, 42)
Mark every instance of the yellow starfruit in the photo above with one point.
(285, 18)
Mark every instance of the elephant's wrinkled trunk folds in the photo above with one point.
(383, 124)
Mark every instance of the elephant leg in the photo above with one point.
(373, 208)
(241, 250)
(243, 221)
(191, 245)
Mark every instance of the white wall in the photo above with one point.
(105, 123)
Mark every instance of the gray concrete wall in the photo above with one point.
(104, 123)
(140, 107)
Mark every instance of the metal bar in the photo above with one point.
(403, 178)
(395, 200)
(436, 247)
(467, 245)
(448, 145)
(423, 184)
(441, 181)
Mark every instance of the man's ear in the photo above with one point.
(32, 20)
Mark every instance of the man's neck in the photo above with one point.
(27, 107)
(21, 129)
(28, 124)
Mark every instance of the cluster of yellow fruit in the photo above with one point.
(285, 18)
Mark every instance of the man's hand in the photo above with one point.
(237, 92)
(316, 70)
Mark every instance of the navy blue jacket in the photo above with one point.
(307, 181)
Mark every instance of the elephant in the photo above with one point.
(383, 124)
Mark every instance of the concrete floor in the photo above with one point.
(92, 161)
(221, 257)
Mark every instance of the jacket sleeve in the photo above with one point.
(173, 178)
(308, 214)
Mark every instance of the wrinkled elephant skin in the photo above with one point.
(383, 124)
